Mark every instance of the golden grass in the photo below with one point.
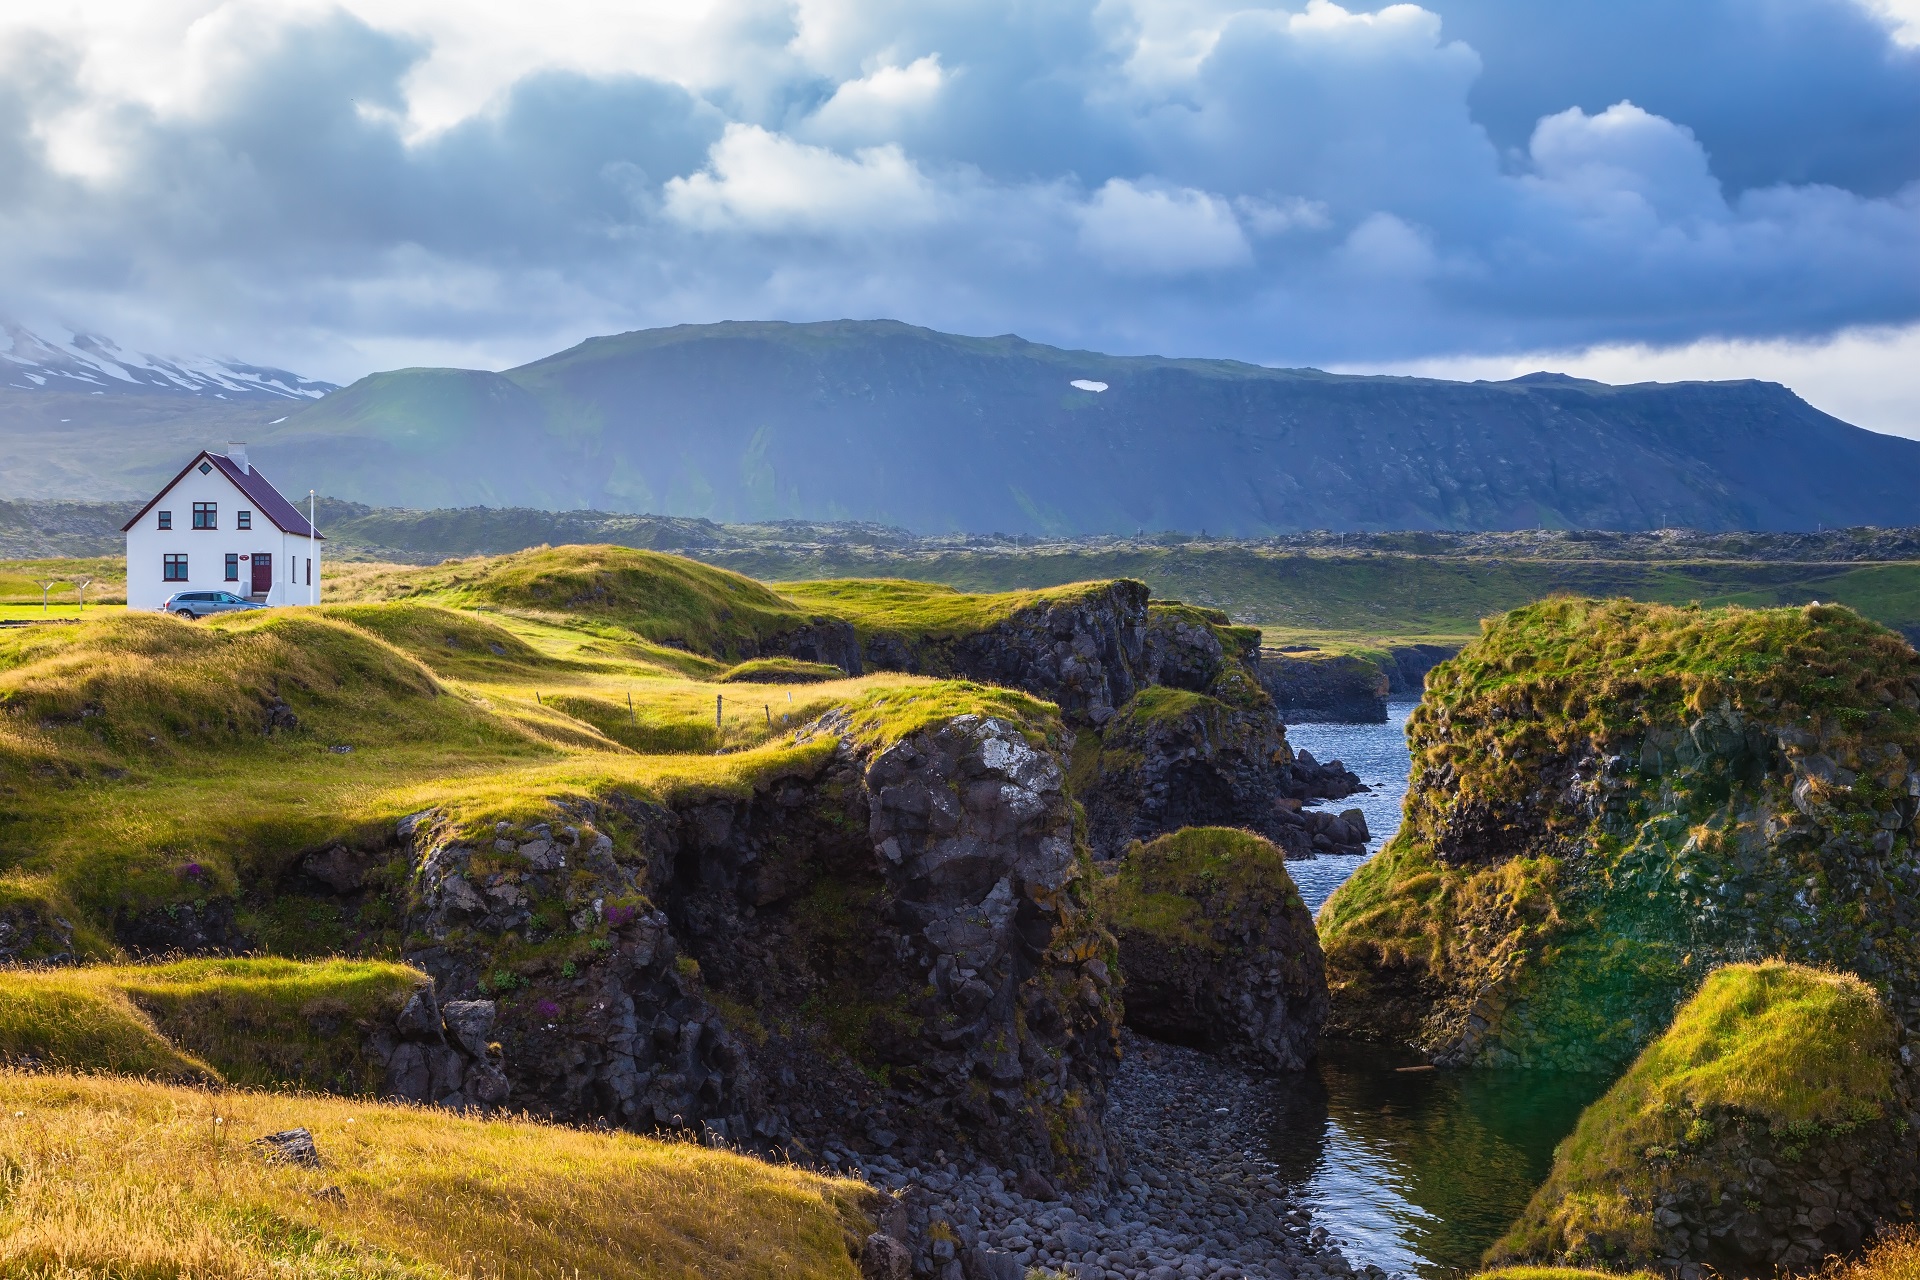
(1895, 1257)
(237, 1021)
(138, 1181)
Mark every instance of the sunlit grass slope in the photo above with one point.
(123, 1178)
(661, 598)
(257, 1022)
(922, 610)
(1804, 1054)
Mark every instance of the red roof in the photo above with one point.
(266, 499)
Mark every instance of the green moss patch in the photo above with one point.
(1804, 1055)
(1177, 887)
(923, 610)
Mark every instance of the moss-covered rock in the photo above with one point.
(1770, 1126)
(1609, 799)
(1217, 948)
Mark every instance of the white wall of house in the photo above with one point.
(294, 560)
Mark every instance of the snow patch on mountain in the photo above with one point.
(57, 358)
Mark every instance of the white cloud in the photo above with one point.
(1151, 231)
(761, 181)
(1277, 217)
(1903, 16)
(1625, 164)
(878, 104)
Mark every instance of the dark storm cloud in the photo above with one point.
(1311, 185)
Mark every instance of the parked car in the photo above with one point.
(198, 604)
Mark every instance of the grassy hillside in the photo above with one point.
(147, 762)
(118, 1177)
(252, 1022)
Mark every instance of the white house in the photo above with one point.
(220, 526)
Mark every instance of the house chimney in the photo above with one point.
(237, 451)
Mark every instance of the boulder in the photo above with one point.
(1217, 948)
(1768, 1128)
(1607, 800)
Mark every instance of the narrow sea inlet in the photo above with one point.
(1416, 1172)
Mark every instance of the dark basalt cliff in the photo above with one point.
(886, 948)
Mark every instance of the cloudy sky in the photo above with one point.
(1625, 188)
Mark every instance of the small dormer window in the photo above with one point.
(243, 519)
(206, 515)
(166, 519)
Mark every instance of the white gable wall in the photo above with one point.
(207, 549)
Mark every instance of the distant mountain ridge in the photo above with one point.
(64, 359)
(881, 421)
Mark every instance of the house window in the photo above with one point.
(205, 515)
(233, 566)
(166, 519)
(243, 519)
(173, 567)
(309, 571)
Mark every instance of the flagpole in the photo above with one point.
(313, 544)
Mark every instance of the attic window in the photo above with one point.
(205, 467)
(245, 519)
(166, 519)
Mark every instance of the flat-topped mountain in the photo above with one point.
(884, 421)
(881, 421)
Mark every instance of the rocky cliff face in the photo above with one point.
(1337, 689)
(883, 949)
(1217, 949)
(1175, 759)
(1607, 800)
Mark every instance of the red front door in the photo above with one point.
(262, 573)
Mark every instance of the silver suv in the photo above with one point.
(198, 604)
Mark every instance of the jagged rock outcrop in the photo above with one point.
(1769, 1128)
(1175, 759)
(1217, 949)
(1607, 800)
(879, 946)
(441, 1054)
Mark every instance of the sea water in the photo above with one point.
(1415, 1171)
